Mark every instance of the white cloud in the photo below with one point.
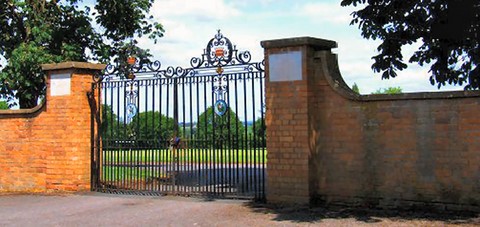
(203, 10)
(188, 25)
(327, 12)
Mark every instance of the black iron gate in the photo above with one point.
(199, 130)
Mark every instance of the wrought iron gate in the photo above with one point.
(197, 130)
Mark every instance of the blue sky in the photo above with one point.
(190, 24)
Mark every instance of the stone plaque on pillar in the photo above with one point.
(60, 84)
(285, 66)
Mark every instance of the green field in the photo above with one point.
(131, 173)
(110, 158)
(239, 156)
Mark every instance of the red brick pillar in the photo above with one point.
(289, 70)
(66, 125)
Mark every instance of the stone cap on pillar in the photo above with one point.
(316, 43)
(59, 79)
(73, 65)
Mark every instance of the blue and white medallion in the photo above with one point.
(220, 107)
(131, 110)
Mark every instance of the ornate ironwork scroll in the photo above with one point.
(220, 57)
(131, 95)
(220, 90)
(220, 52)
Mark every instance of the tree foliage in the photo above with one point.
(146, 129)
(226, 130)
(151, 128)
(260, 133)
(355, 88)
(34, 32)
(448, 31)
(389, 90)
(3, 105)
(112, 127)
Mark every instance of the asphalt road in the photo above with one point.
(95, 209)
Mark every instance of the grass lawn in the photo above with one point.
(130, 173)
(140, 164)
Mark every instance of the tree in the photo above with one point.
(355, 88)
(3, 105)
(227, 130)
(389, 90)
(448, 31)
(260, 133)
(152, 128)
(112, 127)
(33, 32)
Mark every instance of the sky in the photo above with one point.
(190, 24)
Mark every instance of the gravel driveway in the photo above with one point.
(95, 209)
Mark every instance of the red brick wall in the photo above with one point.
(48, 148)
(375, 150)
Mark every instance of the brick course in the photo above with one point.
(48, 148)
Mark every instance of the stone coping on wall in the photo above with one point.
(318, 44)
(421, 95)
(22, 112)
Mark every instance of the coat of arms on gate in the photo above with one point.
(220, 107)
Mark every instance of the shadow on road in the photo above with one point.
(316, 214)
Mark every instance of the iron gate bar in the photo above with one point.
(237, 181)
(262, 117)
(246, 178)
(212, 149)
(254, 142)
(175, 132)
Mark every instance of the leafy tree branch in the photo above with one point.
(448, 31)
(34, 32)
